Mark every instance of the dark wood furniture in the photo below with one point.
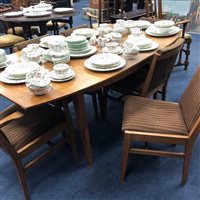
(27, 22)
(20, 135)
(155, 121)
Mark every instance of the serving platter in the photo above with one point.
(14, 14)
(42, 14)
(63, 10)
(89, 66)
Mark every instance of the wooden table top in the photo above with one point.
(84, 80)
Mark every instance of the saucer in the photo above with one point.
(69, 76)
(4, 63)
(119, 50)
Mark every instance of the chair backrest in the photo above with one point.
(161, 67)
(154, 8)
(68, 32)
(63, 3)
(19, 46)
(190, 102)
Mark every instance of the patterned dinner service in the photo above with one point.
(38, 81)
(61, 72)
(162, 28)
(130, 49)
(16, 72)
(104, 62)
(112, 47)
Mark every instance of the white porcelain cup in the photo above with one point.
(61, 70)
(112, 46)
(58, 46)
(34, 47)
(2, 55)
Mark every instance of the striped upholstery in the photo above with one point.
(21, 45)
(23, 130)
(148, 115)
(190, 101)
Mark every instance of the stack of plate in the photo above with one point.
(70, 75)
(104, 62)
(87, 32)
(16, 73)
(44, 42)
(78, 46)
(155, 31)
(56, 58)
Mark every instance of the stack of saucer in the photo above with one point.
(78, 45)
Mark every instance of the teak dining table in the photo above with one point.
(85, 80)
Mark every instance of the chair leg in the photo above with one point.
(22, 178)
(125, 155)
(164, 89)
(186, 162)
(187, 53)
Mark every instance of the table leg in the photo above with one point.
(83, 125)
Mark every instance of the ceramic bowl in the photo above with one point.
(164, 26)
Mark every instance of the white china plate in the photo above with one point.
(43, 14)
(152, 31)
(88, 65)
(142, 24)
(155, 45)
(4, 79)
(14, 14)
(44, 45)
(119, 50)
(92, 51)
(55, 79)
(63, 10)
(47, 39)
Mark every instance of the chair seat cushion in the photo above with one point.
(35, 122)
(9, 40)
(149, 115)
(19, 30)
(60, 24)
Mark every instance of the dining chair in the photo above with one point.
(105, 9)
(24, 132)
(92, 93)
(151, 79)
(9, 40)
(162, 122)
(19, 46)
(158, 14)
(58, 24)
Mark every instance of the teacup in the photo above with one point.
(34, 47)
(2, 55)
(58, 46)
(31, 56)
(61, 70)
(112, 46)
(116, 37)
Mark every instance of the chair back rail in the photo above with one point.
(161, 67)
(190, 101)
